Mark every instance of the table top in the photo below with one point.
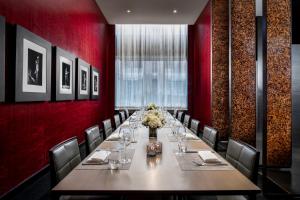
(160, 174)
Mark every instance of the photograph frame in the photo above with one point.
(2, 58)
(82, 79)
(94, 95)
(62, 56)
(39, 89)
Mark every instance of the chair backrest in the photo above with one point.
(210, 136)
(93, 138)
(63, 157)
(117, 120)
(107, 127)
(127, 113)
(195, 126)
(123, 116)
(243, 157)
(186, 121)
(179, 116)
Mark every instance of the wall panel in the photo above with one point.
(279, 105)
(220, 64)
(199, 67)
(243, 71)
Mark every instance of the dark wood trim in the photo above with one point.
(2, 59)
(28, 181)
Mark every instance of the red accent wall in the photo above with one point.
(199, 67)
(28, 130)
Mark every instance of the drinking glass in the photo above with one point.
(126, 135)
(181, 133)
(114, 159)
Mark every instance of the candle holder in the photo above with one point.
(154, 148)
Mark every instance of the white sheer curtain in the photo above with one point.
(151, 65)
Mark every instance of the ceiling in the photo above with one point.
(151, 11)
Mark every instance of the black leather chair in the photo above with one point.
(64, 157)
(127, 113)
(195, 126)
(117, 120)
(186, 120)
(210, 136)
(107, 127)
(122, 113)
(245, 158)
(179, 115)
(93, 138)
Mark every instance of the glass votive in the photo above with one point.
(114, 164)
(158, 147)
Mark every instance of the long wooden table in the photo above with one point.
(155, 175)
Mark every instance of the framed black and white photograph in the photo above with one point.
(2, 59)
(95, 83)
(64, 65)
(33, 67)
(83, 79)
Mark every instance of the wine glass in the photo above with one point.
(133, 123)
(125, 133)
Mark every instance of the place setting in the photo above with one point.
(201, 160)
(117, 158)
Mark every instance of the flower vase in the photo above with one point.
(152, 132)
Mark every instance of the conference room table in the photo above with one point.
(161, 174)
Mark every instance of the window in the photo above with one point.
(151, 65)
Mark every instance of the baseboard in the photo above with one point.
(24, 184)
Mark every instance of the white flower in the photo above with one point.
(153, 119)
(151, 106)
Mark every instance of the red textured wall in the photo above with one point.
(200, 67)
(28, 130)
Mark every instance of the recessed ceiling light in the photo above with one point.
(128, 11)
(174, 11)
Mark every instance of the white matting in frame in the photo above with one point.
(83, 82)
(37, 86)
(63, 87)
(95, 82)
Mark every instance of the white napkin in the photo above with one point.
(114, 137)
(98, 157)
(133, 117)
(208, 157)
(191, 136)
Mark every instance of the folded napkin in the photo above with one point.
(208, 157)
(114, 137)
(191, 136)
(98, 157)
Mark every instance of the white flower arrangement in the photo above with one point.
(152, 106)
(153, 119)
